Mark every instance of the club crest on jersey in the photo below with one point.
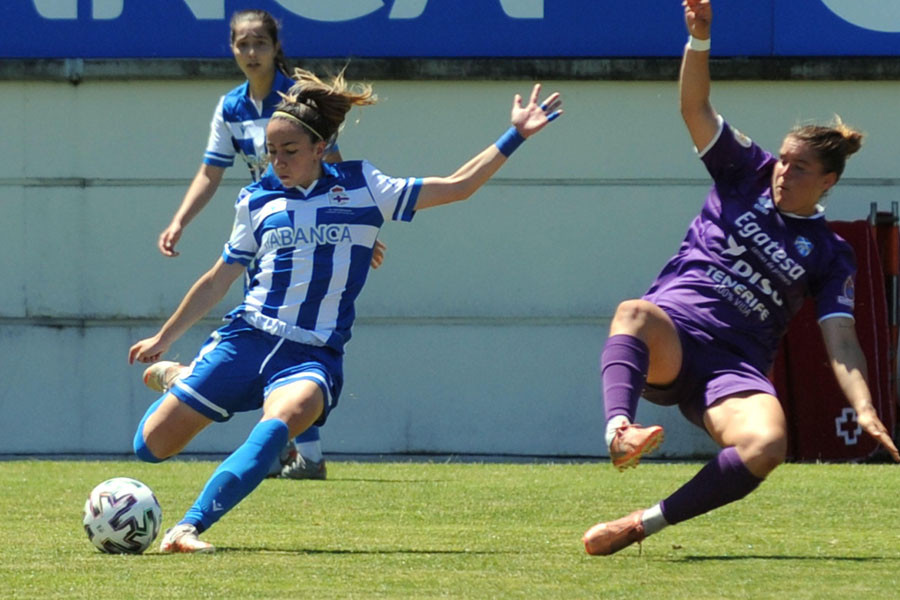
(803, 246)
(763, 205)
(338, 196)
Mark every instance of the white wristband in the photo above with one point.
(698, 45)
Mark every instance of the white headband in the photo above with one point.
(287, 115)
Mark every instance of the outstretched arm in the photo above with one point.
(206, 292)
(694, 80)
(526, 120)
(849, 365)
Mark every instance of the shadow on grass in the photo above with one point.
(817, 558)
(351, 552)
(331, 480)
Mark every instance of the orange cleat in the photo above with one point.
(632, 442)
(608, 538)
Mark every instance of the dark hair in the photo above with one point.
(832, 143)
(322, 106)
(271, 25)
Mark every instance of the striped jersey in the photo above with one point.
(309, 251)
(238, 127)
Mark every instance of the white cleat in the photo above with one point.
(183, 538)
(160, 376)
(304, 468)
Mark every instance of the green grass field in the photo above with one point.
(433, 530)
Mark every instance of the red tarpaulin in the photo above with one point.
(821, 424)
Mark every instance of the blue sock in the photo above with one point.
(310, 435)
(140, 446)
(238, 475)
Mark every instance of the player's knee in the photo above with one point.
(631, 317)
(142, 451)
(764, 451)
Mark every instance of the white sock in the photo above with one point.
(653, 520)
(310, 450)
(612, 425)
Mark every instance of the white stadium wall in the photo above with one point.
(479, 335)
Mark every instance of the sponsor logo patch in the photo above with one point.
(848, 293)
(763, 205)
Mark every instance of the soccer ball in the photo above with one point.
(122, 516)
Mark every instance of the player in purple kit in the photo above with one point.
(706, 333)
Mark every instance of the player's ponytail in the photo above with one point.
(281, 62)
(322, 106)
(832, 143)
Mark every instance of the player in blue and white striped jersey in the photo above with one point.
(238, 128)
(309, 227)
(239, 121)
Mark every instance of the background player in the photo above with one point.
(706, 333)
(239, 120)
(310, 228)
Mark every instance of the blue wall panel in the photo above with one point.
(449, 28)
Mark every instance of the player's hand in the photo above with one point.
(533, 117)
(168, 238)
(377, 254)
(698, 17)
(870, 422)
(148, 350)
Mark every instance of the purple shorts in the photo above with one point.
(709, 372)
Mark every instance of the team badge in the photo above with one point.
(803, 246)
(741, 139)
(848, 293)
(338, 196)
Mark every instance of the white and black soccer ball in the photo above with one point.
(122, 516)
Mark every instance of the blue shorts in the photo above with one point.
(240, 365)
(709, 372)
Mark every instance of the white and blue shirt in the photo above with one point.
(308, 251)
(238, 127)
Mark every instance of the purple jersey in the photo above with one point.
(745, 268)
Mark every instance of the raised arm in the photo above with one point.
(849, 365)
(206, 292)
(526, 121)
(694, 81)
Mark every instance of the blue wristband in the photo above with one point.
(509, 141)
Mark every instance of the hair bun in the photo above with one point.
(853, 139)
